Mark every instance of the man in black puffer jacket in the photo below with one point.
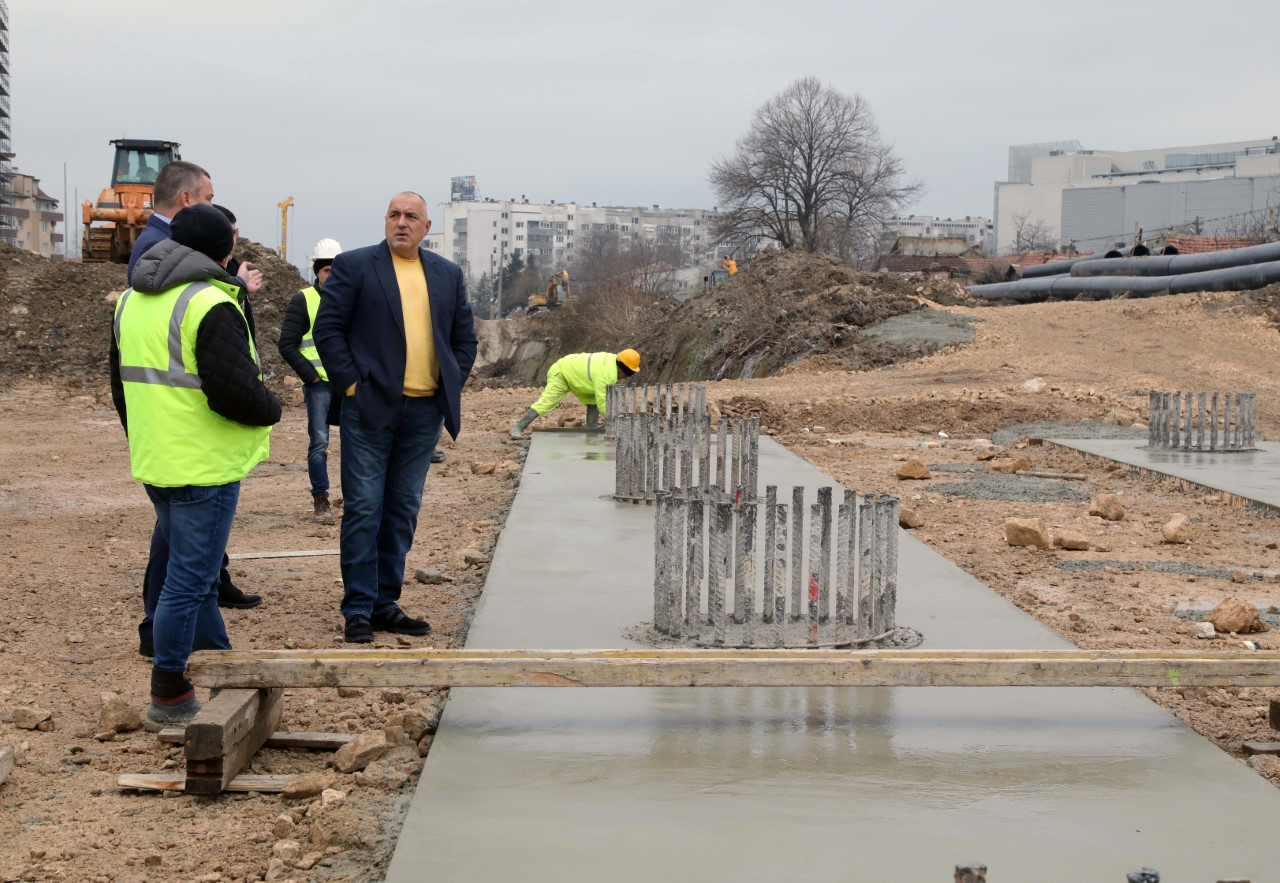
(187, 384)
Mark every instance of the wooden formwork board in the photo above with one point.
(6, 762)
(278, 739)
(226, 733)
(732, 668)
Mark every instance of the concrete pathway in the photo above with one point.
(770, 784)
(1254, 475)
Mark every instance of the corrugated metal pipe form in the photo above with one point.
(1236, 269)
(1198, 421)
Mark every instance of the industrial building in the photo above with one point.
(1090, 199)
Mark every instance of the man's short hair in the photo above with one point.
(174, 178)
(226, 213)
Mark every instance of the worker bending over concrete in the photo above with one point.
(587, 376)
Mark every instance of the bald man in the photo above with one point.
(394, 332)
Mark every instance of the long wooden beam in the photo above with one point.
(226, 733)
(733, 668)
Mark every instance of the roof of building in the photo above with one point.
(1198, 244)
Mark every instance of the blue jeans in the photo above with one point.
(383, 473)
(153, 582)
(196, 522)
(317, 397)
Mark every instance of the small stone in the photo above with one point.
(1233, 616)
(392, 696)
(30, 718)
(75, 638)
(1107, 506)
(908, 518)
(1071, 540)
(117, 715)
(474, 558)
(1177, 530)
(913, 470)
(309, 861)
(1203, 630)
(985, 453)
(307, 785)
(275, 869)
(350, 692)
(430, 577)
(382, 774)
(1009, 466)
(1237, 576)
(1035, 384)
(394, 735)
(483, 468)
(332, 797)
(288, 851)
(360, 752)
(1026, 532)
(284, 826)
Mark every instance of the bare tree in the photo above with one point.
(606, 260)
(1032, 235)
(811, 172)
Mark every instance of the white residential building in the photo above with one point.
(1091, 198)
(481, 236)
(974, 230)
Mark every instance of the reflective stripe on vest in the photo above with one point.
(308, 347)
(175, 438)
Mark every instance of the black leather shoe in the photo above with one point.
(399, 623)
(231, 597)
(358, 630)
(146, 648)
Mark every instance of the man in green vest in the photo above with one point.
(298, 348)
(188, 386)
(587, 376)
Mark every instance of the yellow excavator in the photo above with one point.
(555, 296)
(112, 225)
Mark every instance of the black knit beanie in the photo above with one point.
(204, 229)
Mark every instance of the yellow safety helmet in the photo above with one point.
(630, 358)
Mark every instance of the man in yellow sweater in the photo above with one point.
(587, 376)
(394, 332)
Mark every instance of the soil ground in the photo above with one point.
(74, 530)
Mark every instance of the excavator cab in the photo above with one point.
(112, 225)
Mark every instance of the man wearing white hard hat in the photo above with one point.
(298, 348)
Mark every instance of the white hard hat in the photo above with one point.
(325, 250)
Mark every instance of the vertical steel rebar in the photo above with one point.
(715, 565)
(797, 552)
(1200, 418)
(770, 540)
(739, 561)
(1152, 418)
(849, 544)
(1213, 425)
(1252, 426)
(718, 480)
(704, 454)
(1188, 406)
(1228, 426)
(746, 567)
(661, 570)
(724, 512)
(1176, 421)
(778, 563)
(824, 561)
(679, 502)
(733, 478)
(815, 568)
(695, 552)
(880, 578)
(866, 563)
(842, 565)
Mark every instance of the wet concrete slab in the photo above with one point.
(1254, 475)
(768, 784)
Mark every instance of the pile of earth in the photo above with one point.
(57, 316)
(783, 307)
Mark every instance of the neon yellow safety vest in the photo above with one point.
(175, 438)
(308, 348)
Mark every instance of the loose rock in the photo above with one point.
(1177, 530)
(307, 785)
(360, 752)
(1203, 630)
(429, 577)
(908, 518)
(31, 718)
(118, 716)
(1027, 532)
(1071, 540)
(1233, 616)
(1009, 466)
(914, 470)
(1107, 506)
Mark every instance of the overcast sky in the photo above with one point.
(341, 104)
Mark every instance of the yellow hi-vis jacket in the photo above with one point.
(586, 375)
(175, 438)
(308, 345)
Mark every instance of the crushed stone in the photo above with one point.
(1013, 488)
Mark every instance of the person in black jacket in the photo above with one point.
(298, 349)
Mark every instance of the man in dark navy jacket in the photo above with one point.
(395, 334)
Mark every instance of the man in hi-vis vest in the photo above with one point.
(187, 383)
(298, 348)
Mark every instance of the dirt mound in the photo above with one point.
(783, 307)
(57, 316)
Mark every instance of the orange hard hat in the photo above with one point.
(630, 358)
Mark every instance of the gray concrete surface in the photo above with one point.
(773, 784)
(1254, 475)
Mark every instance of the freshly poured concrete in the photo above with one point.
(1254, 475)
(770, 784)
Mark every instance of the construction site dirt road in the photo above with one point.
(74, 530)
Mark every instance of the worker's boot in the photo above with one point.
(593, 417)
(517, 431)
(322, 512)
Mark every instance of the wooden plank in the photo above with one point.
(177, 782)
(1261, 748)
(1062, 476)
(728, 668)
(226, 733)
(245, 556)
(278, 739)
(6, 762)
(1274, 715)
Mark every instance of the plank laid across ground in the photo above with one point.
(177, 782)
(245, 556)
(732, 668)
(6, 762)
(278, 739)
(226, 733)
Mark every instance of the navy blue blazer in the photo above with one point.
(359, 332)
(155, 230)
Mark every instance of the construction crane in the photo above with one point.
(284, 227)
